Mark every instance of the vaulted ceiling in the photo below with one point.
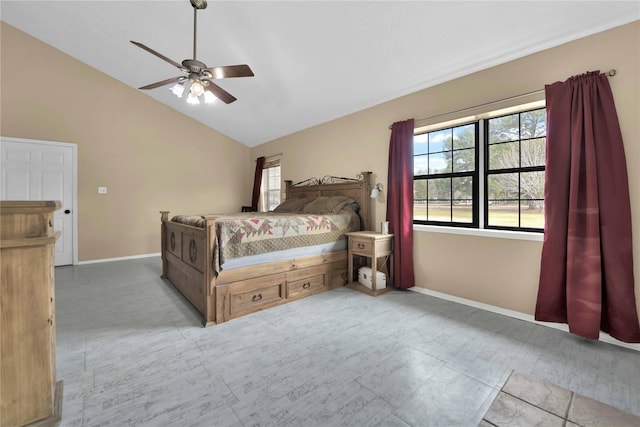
(313, 61)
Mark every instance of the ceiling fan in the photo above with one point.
(196, 76)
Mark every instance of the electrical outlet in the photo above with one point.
(102, 190)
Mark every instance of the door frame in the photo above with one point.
(74, 181)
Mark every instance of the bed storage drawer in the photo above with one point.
(305, 286)
(248, 296)
(252, 300)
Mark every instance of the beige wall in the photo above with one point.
(150, 157)
(499, 272)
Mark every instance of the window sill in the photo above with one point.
(481, 232)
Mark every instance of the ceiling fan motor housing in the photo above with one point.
(194, 65)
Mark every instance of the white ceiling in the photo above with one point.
(313, 61)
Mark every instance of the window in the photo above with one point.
(516, 148)
(271, 186)
(487, 173)
(445, 170)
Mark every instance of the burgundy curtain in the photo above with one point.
(400, 202)
(257, 183)
(586, 275)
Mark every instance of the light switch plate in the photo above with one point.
(102, 190)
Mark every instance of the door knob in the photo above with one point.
(67, 211)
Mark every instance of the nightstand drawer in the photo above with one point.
(361, 246)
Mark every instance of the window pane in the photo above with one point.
(439, 195)
(503, 186)
(420, 189)
(503, 213)
(532, 185)
(463, 199)
(464, 160)
(439, 189)
(533, 124)
(504, 156)
(439, 210)
(463, 211)
(464, 136)
(421, 165)
(503, 129)
(438, 140)
(420, 143)
(420, 210)
(532, 213)
(533, 152)
(462, 187)
(439, 163)
(270, 189)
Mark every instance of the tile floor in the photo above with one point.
(131, 352)
(526, 401)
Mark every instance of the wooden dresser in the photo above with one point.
(29, 392)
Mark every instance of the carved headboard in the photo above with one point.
(359, 189)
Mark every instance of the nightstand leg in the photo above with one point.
(350, 268)
(374, 272)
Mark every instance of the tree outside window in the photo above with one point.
(516, 150)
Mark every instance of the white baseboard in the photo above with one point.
(124, 258)
(516, 314)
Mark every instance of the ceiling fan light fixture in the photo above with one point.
(177, 89)
(193, 99)
(197, 88)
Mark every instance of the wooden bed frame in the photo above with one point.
(187, 260)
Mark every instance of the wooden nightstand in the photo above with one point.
(372, 245)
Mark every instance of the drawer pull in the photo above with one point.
(306, 285)
(360, 245)
(256, 297)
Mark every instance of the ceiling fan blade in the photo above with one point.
(159, 55)
(220, 93)
(230, 71)
(163, 83)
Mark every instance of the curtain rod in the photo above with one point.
(609, 73)
(273, 155)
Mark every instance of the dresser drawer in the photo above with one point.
(306, 286)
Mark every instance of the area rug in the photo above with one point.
(526, 401)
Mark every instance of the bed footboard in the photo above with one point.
(187, 253)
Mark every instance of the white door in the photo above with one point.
(42, 170)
